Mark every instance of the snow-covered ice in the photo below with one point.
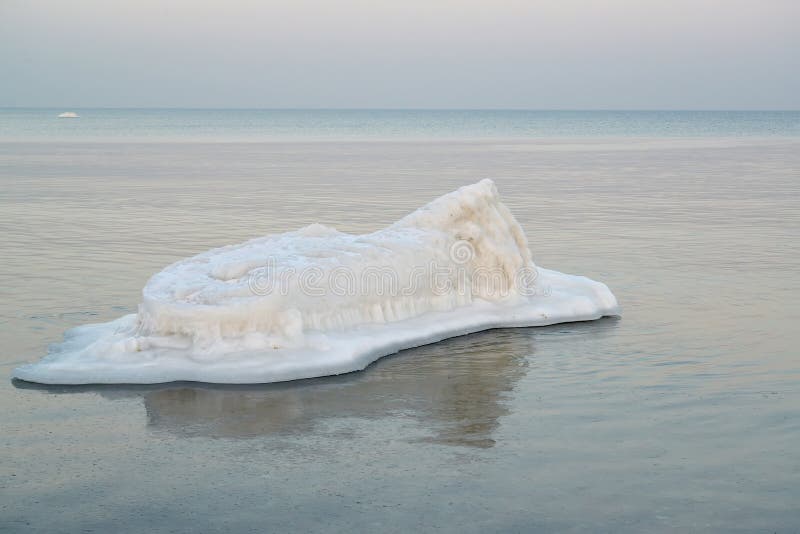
(319, 302)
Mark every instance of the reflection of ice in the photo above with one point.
(457, 391)
(454, 389)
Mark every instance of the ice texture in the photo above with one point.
(318, 302)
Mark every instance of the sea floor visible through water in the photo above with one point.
(683, 415)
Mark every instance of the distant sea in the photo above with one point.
(230, 125)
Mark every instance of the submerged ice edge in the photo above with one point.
(317, 301)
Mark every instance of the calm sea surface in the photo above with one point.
(335, 125)
(683, 415)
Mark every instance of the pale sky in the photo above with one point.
(535, 54)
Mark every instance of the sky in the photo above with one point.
(512, 54)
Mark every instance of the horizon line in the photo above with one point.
(215, 108)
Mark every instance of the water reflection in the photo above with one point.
(457, 391)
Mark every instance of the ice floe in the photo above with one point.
(318, 302)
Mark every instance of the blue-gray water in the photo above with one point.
(683, 415)
(254, 125)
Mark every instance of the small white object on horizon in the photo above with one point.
(68, 115)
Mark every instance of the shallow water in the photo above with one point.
(682, 415)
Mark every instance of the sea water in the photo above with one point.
(681, 415)
(25, 124)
